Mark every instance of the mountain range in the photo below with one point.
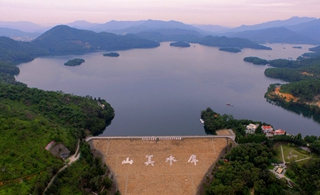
(64, 40)
(296, 30)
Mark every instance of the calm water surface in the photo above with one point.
(162, 91)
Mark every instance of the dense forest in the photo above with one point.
(231, 42)
(88, 175)
(303, 75)
(307, 175)
(256, 60)
(64, 40)
(315, 49)
(247, 172)
(74, 62)
(111, 54)
(230, 49)
(61, 40)
(213, 121)
(31, 118)
(180, 44)
(17, 52)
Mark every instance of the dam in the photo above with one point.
(152, 165)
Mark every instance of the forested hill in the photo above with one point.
(231, 42)
(17, 52)
(298, 70)
(65, 40)
(315, 49)
(31, 118)
(303, 91)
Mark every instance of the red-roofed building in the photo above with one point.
(266, 129)
(279, 132)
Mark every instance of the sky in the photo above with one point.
(230, 13)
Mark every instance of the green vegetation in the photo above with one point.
(307, 175)
(84, 177)
(311, 55)
(305, 89)
(231, 42)
(315, 146)
(303, 76)
(256, 60)
(296, 140)
(291, 153)
(111, 54)
(17, 52)
(31, 118)
(285, 74)
(7, 73)
(315, 49)
(214, 121)
(230, 49)
(180, 44)
(74, 62)
(64, 40)
(247, 170)
(9, 68)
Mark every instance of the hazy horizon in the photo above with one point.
(230, 13)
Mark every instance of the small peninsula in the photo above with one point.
(230, 49)
(74, 62)
(256, 60)
(111, 54)
(180, 44)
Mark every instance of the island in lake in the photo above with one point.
(111, 54)
(74, 62)
(180, 44)
(230, 49)
(256, 60)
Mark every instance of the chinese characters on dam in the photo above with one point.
(171, 159)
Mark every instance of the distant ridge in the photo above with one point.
(23, 26)
(275, 35)
(18, 34)
(63, 39)
(293, 30)
(276, 23)
(231, 42)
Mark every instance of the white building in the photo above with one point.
(251, 128)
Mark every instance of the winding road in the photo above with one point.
(70, 160)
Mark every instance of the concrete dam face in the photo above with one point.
(160, 165)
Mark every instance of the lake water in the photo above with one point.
(162, 91)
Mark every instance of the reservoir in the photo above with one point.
(161, 91)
